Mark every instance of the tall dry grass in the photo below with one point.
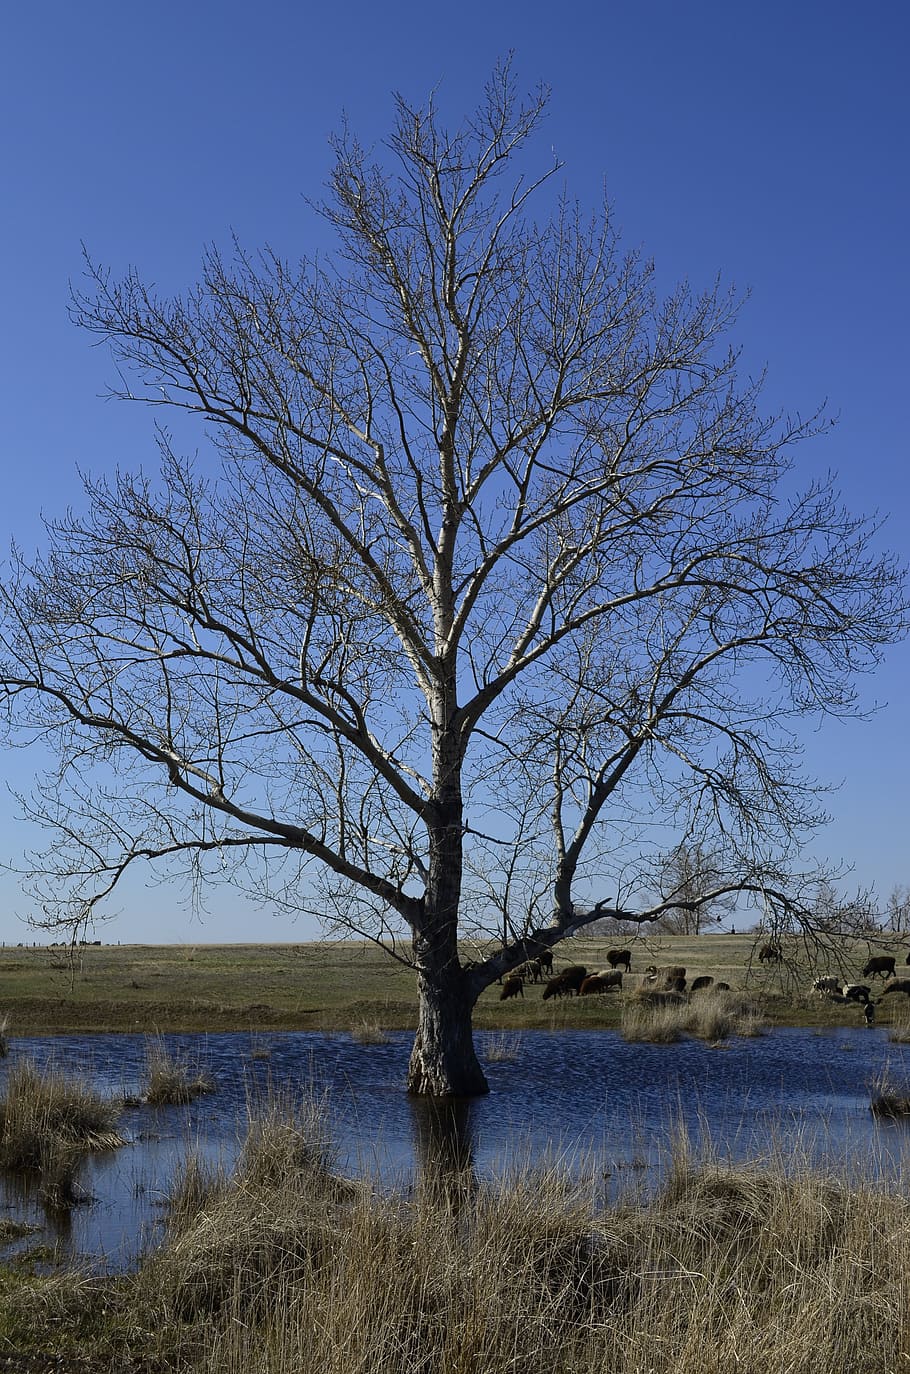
(171, 1080)
(48, 1122)
(284, 1269)
(368, 1031)
(711, 1016)
(502, 1047)
(757, 1270)
(899, 1030)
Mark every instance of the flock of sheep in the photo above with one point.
(660, 985)
(879, 966)
(669, 984)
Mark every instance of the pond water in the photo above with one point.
(561, 1095)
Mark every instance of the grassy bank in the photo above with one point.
(347, 985)
(285, 1268)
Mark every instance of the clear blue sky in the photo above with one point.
(767, 142)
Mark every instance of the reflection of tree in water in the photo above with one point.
(444, 1145)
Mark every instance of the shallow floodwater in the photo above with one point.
(564, 1095)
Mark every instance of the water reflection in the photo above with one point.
(562, 1095)
(444, 1147)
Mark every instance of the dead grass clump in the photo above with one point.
(503, 1047)
(41, 1109)
(718, 1015)
(643, 1021)
(289, 1142)
(48, 1123)
(234, 1247)
(11, 1230)
(171, 1079)
(755, 1269)
(899, 1030)
(196, 1185)
(890, 1105)
(711, 1016)
(370, 1033)
(889, 1099)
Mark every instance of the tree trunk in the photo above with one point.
(443, 1060)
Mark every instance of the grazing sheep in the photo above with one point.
(824, 985)
(566, 982)
(600, 982)
(899, 985)
(879, 966)
(856, 992)
(512, 986)
(531, 971)
(869, 1013)
(705, 981)
(615, 957)
(770, 953)
(721, 987)
(557, 987)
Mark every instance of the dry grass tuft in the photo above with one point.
(283, 1268)
(11, 1230)
(899, 1030)
(887, 1098)
(712, 1016)
(48, 1123)
(370, 1033)
(232, 1247)
(197, 1185)
(890, 1104)
(502, 1047)
(41, 1109)
(753, 1269)
(172, 1080)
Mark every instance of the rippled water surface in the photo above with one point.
(562, 1093)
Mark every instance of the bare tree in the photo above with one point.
(504, 579)
(693, 883)
(897, 917)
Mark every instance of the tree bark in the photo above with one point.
(443, 1059)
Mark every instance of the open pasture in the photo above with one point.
(340, 985)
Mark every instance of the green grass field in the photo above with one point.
(333, 985)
